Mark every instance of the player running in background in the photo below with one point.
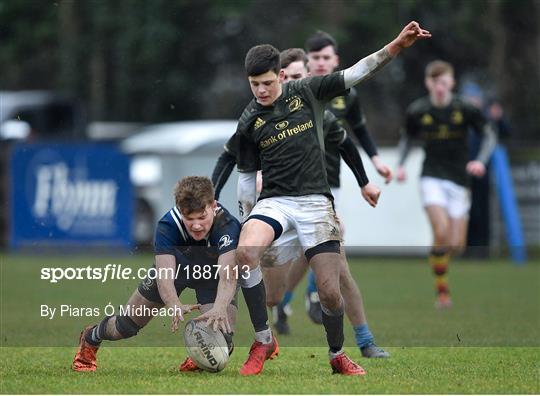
(323, 59)
(281, 133)
(197, 236)
(442, 121)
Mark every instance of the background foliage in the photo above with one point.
(161, 60)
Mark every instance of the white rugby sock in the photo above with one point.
(264, 336)
(333, 355)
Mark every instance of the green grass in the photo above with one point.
(296, 370)
(489, 342)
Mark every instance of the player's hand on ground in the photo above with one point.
(476, 168)
(371, 194)
(401, 174)
(179, 311)
(217, 318)
(410, 34)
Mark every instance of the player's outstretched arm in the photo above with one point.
(217, 316)
(167, 291)
(369, 65)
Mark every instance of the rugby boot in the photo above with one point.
(443, 301)
(85, 358)
(188, 365)
(341, 364)
(258, 354)
(371, 350)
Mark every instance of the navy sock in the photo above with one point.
(256, 302)
(333, 325)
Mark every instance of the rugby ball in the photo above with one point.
(207, 348)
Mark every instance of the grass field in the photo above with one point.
(489, 342)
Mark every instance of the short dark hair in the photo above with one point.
(319, 40)
(193, 193)
(437, 68)
(292, 55)
(261, 59)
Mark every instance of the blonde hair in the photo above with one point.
(437, 68)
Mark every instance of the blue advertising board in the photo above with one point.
(70, 195)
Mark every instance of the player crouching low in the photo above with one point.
(199, 236)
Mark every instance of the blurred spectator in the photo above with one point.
(478, 235)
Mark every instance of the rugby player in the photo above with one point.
(281, 133)
(197, 241)
(442, 121)
(277, 260)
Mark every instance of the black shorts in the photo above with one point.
(205, 291)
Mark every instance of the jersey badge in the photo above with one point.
(295, 104)
(426, 119)
(338, 103)
(457, 117)
(259, 122)
(282, 125)
(224, 241)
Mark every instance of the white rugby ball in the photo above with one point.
(207, 348)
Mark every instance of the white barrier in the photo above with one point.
(398, 224)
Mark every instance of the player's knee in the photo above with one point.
(331, 299)
(246, 255)
(440, 235)
(126, 327)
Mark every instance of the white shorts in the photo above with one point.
(285, 249)
(306, 221)
(454, 198)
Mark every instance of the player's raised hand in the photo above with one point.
(178, 313)
(371, 194)
(401, 175)
(410, 34)
(217, 318)
(476, 168)
(408, 37)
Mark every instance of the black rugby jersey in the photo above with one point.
(348, 111)
(444, 132)
(285, 140)
(334, 136)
